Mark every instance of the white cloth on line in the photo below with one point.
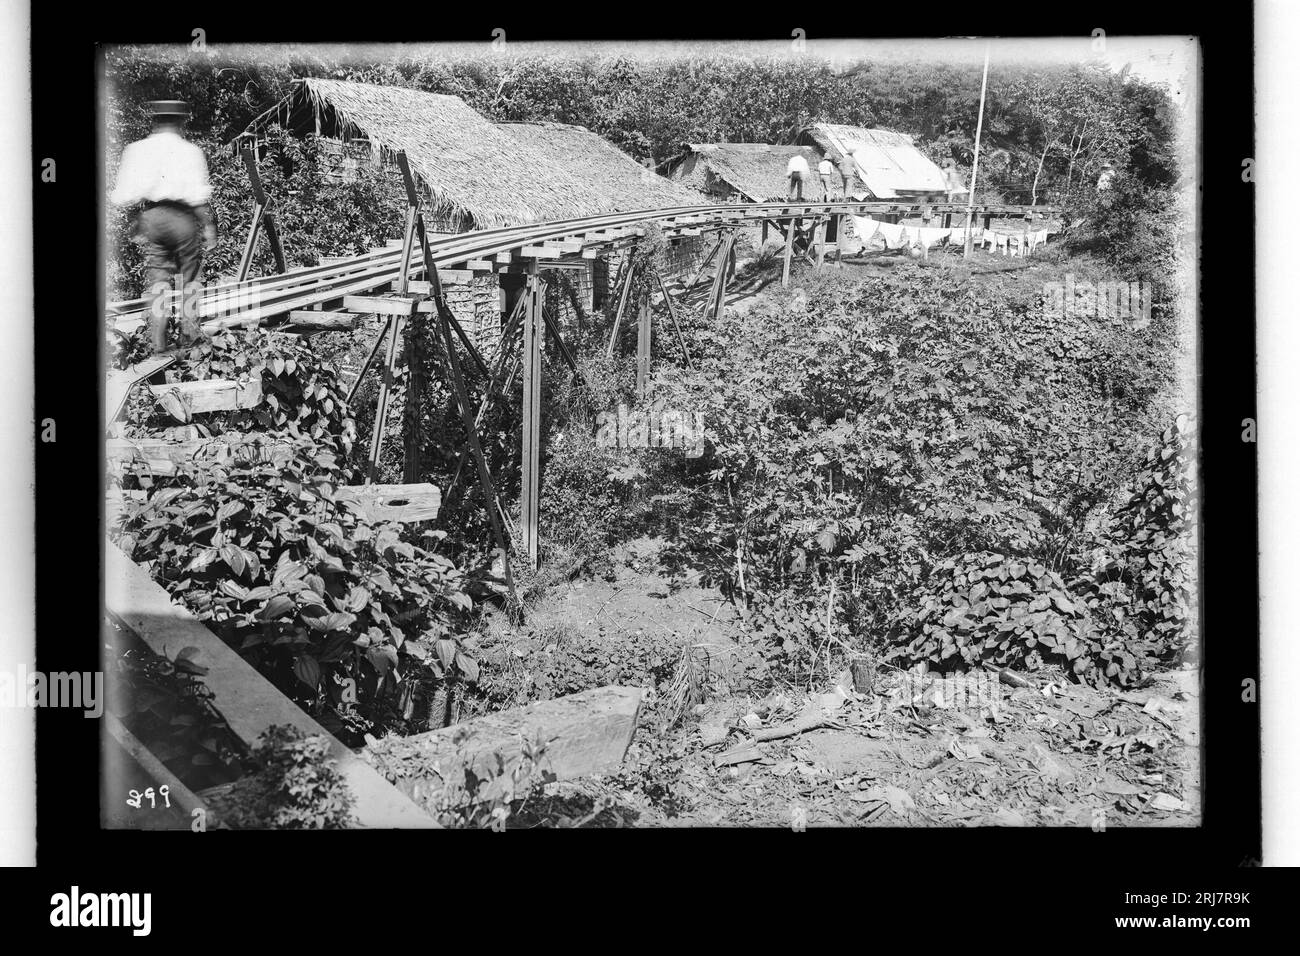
(894, 235)
(926, 236)
(864, 227)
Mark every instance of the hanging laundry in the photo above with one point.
(927, 236)
(864, 227)
(893, 234)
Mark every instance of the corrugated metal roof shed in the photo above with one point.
(887, 162)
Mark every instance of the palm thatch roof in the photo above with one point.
(476, 172)
(757, 171)
(471, 170)
(887, 162)
(609, 176)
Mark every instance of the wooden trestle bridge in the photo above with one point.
(405, 281)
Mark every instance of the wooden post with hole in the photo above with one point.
(841, 222)
(532, 413)
(820, 240)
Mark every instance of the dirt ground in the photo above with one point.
(911, 752)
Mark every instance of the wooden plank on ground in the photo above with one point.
(582, 734)
(119, 383)
(317, 321)
(184, 399)
(412, 502)
(248, 702)
(163, 456)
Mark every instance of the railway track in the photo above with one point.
(230, 304)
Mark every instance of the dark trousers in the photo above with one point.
(796, 186)
(172, 241)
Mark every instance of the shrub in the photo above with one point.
(296, 786)
(340, 612)
(989, 608)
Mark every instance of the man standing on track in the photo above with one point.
(847, 165)
(797, 171)
(824, 169)
(167, 177)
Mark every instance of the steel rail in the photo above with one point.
(232, 304)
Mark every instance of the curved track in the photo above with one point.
(254, 300)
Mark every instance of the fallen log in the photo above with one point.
(502, 754)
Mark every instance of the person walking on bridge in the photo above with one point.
(797, 172)
(824, 169)
(847, 165)
(165, 178)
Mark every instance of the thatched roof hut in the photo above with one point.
(887, 162)
(476, 174)
(748, 172)
(609, 176)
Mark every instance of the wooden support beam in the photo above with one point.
(703, 264)
(416, 501)
(250, 243)
(819, 240)
(272, 228)
(532, 418)
(246, 699)
(622, 306)
(672, 317)
(261, 217)
(643, 339)
(554, 330)
(370, 358)
(785, 259)
(582, 734)
(841, 224)
(445, 322)
(381, 405)
(182, 400)
(728, 253)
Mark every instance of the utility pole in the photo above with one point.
(975, 166)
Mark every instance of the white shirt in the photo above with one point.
(825, 168)
(163, 166)
(797, 164)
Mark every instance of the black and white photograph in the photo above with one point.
(812, 430)
(770, 434)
